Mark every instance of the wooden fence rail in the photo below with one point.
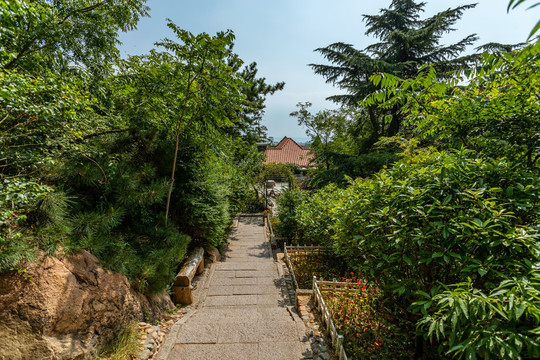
(337, 339)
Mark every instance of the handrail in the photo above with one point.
(270, 226)
(337, 339)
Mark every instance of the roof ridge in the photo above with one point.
(283, 141)
(288, 151)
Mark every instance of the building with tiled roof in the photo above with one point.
(289, 151)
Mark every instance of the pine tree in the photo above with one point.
(406, 43)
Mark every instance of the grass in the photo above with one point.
(125, 346)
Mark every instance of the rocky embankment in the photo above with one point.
(68, 308)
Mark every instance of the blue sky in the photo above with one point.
(281, 35)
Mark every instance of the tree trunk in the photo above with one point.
(375, 134)
(395, 124)
(172, 178)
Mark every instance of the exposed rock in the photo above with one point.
(67, 308)
(324, 356)
(212, 254)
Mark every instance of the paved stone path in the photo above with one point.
(242, 313)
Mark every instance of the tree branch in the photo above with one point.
(104, 133)
(82, 11)
(100, 168)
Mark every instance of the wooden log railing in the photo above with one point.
(337, 339)
(182, 283)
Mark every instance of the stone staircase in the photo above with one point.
(242, 313)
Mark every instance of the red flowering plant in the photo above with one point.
(361, 315)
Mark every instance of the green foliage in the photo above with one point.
(116, 199)
(406, 44)
(336, 145)
(202, 205)
(499, 324)
(452, 238)
(444, 218)
(86, 153)
(323, 126)
(275, 171)
(41, 35)
(350, 166)
(256, 90)
(314, 216)
(246, 182)
(288, 203)
(495, 114)
(191, 84)
(434, 220)
(15, 197)
(40, 116)
(515, 3)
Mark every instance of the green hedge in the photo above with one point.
(452, 238)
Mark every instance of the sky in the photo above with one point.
(281, 36)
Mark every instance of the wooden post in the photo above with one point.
(182, 283)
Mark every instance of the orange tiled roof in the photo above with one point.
(288, 152)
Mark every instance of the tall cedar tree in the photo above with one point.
(256, 89)
(406, 43)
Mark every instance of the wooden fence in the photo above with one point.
(300, 249)
(318, 287)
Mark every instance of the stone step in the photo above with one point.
(243, 314)
(254, 313)
(244, 290)
(238, 332)
(244, 274)
(244, 300)
(260, 265)
(256, 351)
(231, 281)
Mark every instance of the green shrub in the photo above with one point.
(446, 219)
(441, 219)
(288, 203)
(433, 221)
(315, 215)
(499, 324)
(203, 196)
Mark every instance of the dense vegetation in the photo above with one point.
(427, 184)
(450, 230)
(406, 43)
(132, 159)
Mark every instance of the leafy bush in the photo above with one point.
(315, 215)
(288, 203)
(442, 219)
(350, 166)
(501, 324)
(17, 196)
(117, 208)
(202, 196)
